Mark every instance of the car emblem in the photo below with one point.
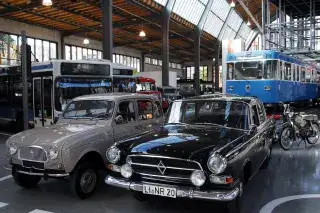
(161, 167)
(32, 153)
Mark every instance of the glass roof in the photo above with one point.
(221, 8)
(190, 10)
(213, 29)
(222, 21)
(162, 2)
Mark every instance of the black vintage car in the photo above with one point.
(209, 147)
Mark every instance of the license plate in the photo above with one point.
(160, 191)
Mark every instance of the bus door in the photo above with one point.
(42, 101)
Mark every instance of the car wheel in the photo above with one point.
(84, 180)
(266, 162)
(25, 181)
(235, 206)
(139, 196)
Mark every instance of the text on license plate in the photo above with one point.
(160, 191)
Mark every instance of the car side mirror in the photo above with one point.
(253, 129)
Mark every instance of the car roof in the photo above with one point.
(219, 96)
(116, 96)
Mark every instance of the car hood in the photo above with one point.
(184, 141)
(52, 135)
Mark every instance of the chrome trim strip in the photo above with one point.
(156, 166)
(163, 179)
(162, 176)
(33, 146)
(184, 192)
(7, 167)
(166, 157)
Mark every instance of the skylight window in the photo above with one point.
(190, 10)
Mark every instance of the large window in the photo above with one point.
(203, 73)
(128, 61)
(79, 53)
(42, 50)
(158, 62)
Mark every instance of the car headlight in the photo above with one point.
(198, 178)
(53, 153)
(216, 163)
(113, 154)
(126, 171)
(13, 148)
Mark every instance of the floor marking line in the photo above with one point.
(269, 207)
(5, 134)
(3, 204)
(39, 211)
(5, 177)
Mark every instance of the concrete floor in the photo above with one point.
(290, 184)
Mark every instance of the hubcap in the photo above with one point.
(314, 132)
(88, 181)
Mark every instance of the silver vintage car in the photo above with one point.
(74, 148)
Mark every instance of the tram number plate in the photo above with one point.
(159, 191)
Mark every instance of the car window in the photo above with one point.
(125, 112)
(255, 115)
(262, 114)
(145, 109)
(157, 110)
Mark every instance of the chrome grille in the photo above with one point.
(170, 169)
(32, 153)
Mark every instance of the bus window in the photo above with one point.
(270, 69)
(67, 88)
(47, 96)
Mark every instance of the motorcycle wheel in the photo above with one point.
(286, 138)
(314, 127)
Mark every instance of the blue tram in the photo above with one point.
(272, 76)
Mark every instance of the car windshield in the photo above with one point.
(100, 109)
(213, 112)
(169, 90)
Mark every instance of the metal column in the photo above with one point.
(217, 66)
(268, 23)
(107, 41)
(165, 47)
(24, 79)
(263, 23)
(197, 60)
(62, 45)
(312, 25)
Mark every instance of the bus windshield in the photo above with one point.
(146, 86)
(67, 88)
(124, 84)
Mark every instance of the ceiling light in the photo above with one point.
(86, 41)
(249, 23)
(232, 4)
(142, 33)
(47, 2)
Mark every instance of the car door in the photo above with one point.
(149, 114)
(265, 128)
(257, 140)
(126, 123)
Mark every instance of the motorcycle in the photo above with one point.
(298, 126)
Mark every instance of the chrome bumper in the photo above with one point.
(42, 174)
(183, 192)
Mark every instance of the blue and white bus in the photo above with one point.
(53, 84)
(271, 76)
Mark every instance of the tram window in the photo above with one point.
(294, 72)
(287, 71)
(303, 75)
(270, 68)
(298, 73)
(230, 71)
(308, 76)
(248, 70)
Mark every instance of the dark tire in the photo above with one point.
(235, 206)
(316, 128)
(25, 181)
(266, 162)
(287, 132)
(139, 196)
(84, 180)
